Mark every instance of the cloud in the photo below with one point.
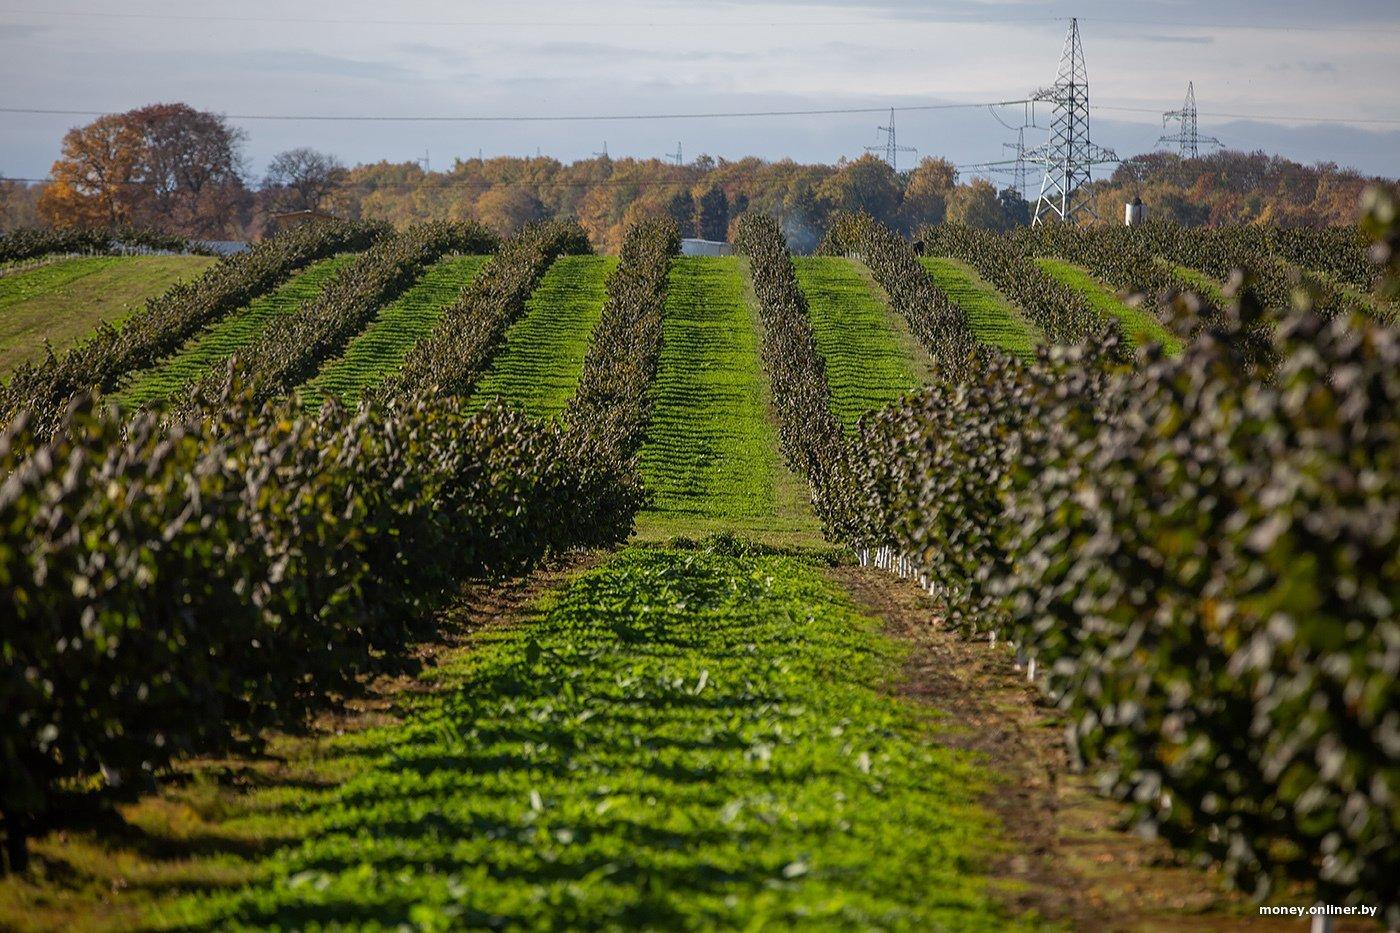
(1178, 40)
(609, 52)
(20, 31)
(1312, 68)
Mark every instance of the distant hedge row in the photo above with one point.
(292, 348)
(42, 390)
(455, 356)
(1061, 312)
(611, 407)
(32, 243)
(938, 323)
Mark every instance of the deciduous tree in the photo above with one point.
(166, 166)
(301, 179)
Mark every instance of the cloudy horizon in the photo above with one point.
(1266, 74)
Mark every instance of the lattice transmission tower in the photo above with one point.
(1069, 155)
(890, 148)
(1187, 138)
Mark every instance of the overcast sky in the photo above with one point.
(1282, 64)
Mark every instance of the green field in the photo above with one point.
(539, 367)
(381, 347)
(213, 346)
(63, 301)
(1139, 326)
(711, 457)
(669, 746)
(871, 358)
(994, 320)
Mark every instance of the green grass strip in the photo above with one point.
(212, 347)
(871, 358)
(379, 349)
(63, 300)
(994, 320)
(1197, 281)
(685, 740)
(711, 456)
(539, 367)
(1139, 326)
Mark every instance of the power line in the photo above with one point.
(714, 22)
(551, 118)
(716, 115)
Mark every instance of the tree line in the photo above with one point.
(173, 168)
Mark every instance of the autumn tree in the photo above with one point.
(867, 184)
(926, 194)
(505, 209)
(301, 179)
(976, 205)
(94, 183)
(166, 166)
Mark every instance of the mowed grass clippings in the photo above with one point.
(711, 459)
(212, 347)
(540, 364)
(1139, 325)
(379, 349)
(869, 363)
(64, 300)
(992, 318)
(685, 739)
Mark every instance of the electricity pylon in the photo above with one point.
(890, 146)
(1069, 154)
(1187, 139)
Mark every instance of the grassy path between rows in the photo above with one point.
(379, 349)
(711, 457)
(871, 358)
(213, 346)
(541, 362)
(993, 319)
(1139, 326)
(1208, 287)
(683, 739)
(64, 301)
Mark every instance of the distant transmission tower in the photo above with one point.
(676, 155)
(604, 153)
(1187, 140)
(890, 147)
(1069, 154)
(1018, 170)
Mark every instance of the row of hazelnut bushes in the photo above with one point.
(1219, 252)
(811, 437)
(1336, 251)
(292, 348)
(1061, 312)
(612, 406)
(1111, 255)
(936, 321)
(43, 390)
(1196, 558)
(457, 353)
(181, 585)
(34, 243)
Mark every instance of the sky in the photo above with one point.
(1311, 81)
